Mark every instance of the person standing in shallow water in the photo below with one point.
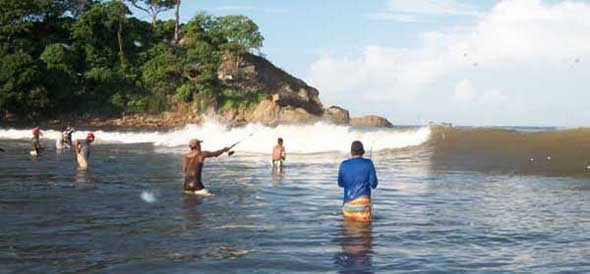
(83, 151)
(357, 176)
(35, 142)
(278, 155)
(65, 140)
(192, 167)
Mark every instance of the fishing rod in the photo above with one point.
(231, 152)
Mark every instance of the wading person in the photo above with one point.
(192, 167)
(65, 139)
(278, 154)
(357, 176)
(83, 151)
(37, 148)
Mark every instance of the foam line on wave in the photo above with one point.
(313, 138)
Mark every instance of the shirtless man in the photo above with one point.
(65, 140)
(192, 166)
(83, 151)
(278, 154)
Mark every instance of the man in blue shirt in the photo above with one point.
(357, 176)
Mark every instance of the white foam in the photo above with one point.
(148, 197)
(257, 138)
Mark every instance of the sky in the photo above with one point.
(471, 63)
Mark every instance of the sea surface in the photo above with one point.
(475, 200)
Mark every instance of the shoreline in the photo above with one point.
(134, 121)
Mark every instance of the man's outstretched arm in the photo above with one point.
(209, 154)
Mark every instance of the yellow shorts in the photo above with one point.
(358, 209)
(277, 163)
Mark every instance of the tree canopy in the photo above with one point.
(84, 56)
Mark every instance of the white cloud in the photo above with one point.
(523, 63)
(464, 92)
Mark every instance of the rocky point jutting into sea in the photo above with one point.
(281, 99)
(285, 100)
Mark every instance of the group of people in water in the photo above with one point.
(356, 175)
(81, 147)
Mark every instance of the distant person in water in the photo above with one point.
(278, 154)
(65, 140)
(37, 148)
(192, 167)
(357, 176)
(83, 151)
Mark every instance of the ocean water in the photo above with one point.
(448, 200)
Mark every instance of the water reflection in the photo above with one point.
(192, 216)
(356, 243)
(83, 180)
(82, 177)
(278, 174)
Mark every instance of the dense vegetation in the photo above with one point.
(92, 57)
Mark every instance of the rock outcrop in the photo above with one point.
(270, 111)
(251, 73)
(336, 115)
(285, 99)
(370, 121)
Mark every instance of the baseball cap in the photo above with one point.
(194, 142)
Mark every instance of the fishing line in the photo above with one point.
(231, 152)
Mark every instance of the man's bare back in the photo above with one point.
(192, 166)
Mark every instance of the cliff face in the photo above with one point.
(250, 73)
(287, 99)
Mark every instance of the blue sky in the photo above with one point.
(481, 63)
(298, 32)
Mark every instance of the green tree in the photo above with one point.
(21, 88)
(164, 31)
(153, 7)
(60, 77)
(98, 36)
(162, 72)
(201, 61)
(59, 56)
(99, 32)
(238, 33)
(16, 21)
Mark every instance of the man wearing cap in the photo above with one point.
(357, 176)
(83, 151)
(37, 148)
(192, 166)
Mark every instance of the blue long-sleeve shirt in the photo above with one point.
(357, 176)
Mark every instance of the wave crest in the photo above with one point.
(313, 138)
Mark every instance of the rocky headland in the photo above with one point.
(285, 99)
(279, 98)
